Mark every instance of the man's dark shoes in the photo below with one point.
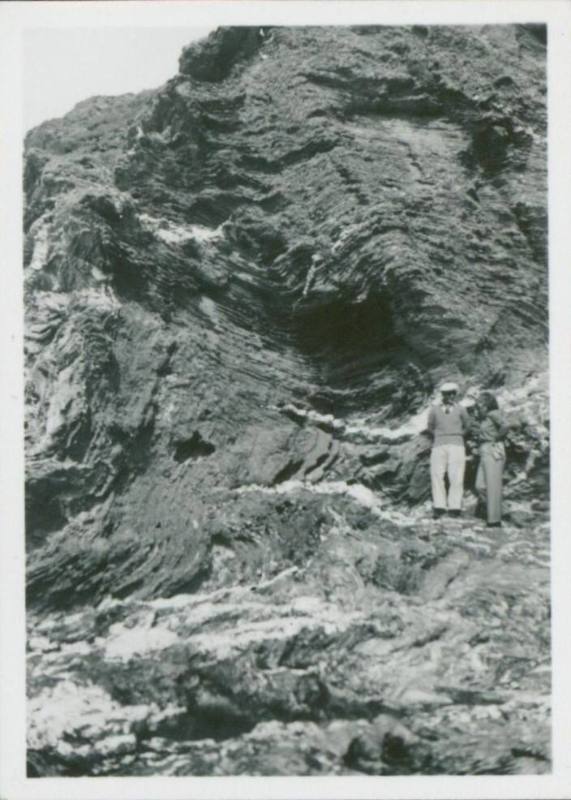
(493, 524)
(454, 512)
(438, 512)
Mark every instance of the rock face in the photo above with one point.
(242, 290)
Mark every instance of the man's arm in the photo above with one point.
(431, 423)
(466, 420)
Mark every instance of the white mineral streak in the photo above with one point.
(41, 644)
(248, 623)
(88, 713)
(415, 425)
(240, 619)
(309, 279)
(68, 401)
(361, 494)
(124, 643)
(101, 298)
(41, 246)
(346, 235)
(208, 307)
(315, 416)
(362, 426)
(509, 399)
(529, 399)
(170, 233)
(196, 600)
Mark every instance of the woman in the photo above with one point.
(491, 433)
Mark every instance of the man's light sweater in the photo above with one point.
(448, 424)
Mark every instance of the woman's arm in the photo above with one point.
(499, 422)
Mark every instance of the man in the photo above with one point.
(448, 423)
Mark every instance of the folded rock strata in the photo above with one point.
(224, 433)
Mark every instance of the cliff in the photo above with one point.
(242, 291)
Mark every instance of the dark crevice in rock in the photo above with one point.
(214, 58)
(490, 144)
(339, 330)
(305, 153)
(287, 472)
(537, 31)
(528, 752)
(195, 447)
(218, 723)
(302, 154)
(44, 513)
(350, 344)
(165, 367)
(273, 203)
(319, 462)
(40, 764)
(222, 540)
(413, 107)
(189, 584)
(59, 587)
(533, 224)
(138, 448)
(214, 209)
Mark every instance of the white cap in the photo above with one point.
(449, 387)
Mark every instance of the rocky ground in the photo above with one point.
(231, 562)
(385, 643)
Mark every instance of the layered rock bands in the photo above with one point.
(242, 292)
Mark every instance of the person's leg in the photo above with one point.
(437, 470)
(480, 487)
(456, 467)
(493, 471)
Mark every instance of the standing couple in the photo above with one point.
(449, 423)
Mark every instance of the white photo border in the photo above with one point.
(15, 19)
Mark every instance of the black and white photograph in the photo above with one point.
(286, 397)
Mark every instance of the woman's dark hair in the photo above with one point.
(489, 400)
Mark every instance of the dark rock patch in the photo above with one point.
(195, 447)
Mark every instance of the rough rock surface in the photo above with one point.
(230, 567)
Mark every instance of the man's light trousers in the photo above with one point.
(451, 459)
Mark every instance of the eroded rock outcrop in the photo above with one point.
(242, 290)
